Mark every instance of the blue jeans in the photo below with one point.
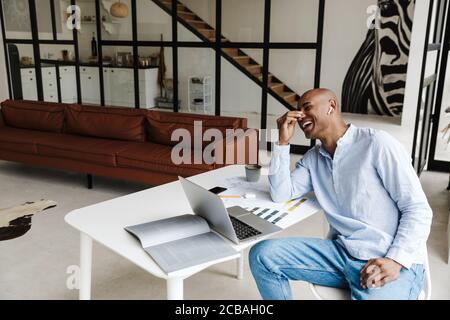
(323, 262)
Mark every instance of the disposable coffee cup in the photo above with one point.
(252, 172)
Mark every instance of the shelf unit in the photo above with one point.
(200, 94)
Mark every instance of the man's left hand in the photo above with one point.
(378, 272)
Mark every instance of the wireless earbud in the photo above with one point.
(330, 110)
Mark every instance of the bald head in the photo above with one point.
(316, 94)
(319, 113)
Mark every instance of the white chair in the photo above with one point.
(328, 293)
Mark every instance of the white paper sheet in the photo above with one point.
(281, 214)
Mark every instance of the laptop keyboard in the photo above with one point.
(243, 230)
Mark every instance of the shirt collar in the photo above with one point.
(347, 138)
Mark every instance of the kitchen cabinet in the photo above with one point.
(148, 87)
(29, 89)
(119, 87)
(68, 83)
(90, 85)
(49, 84)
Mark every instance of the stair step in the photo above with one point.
(288, 96)
(270, 77)
(207, 32)
(232, 52)
(254, 69)
(186, 15)
(277, 87)
(294, 104)
(214, 39)
(197, 23)
(242, 59)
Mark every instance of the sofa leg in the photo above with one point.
(89, 181)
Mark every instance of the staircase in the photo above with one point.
(276, 88)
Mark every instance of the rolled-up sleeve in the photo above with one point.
(400, 180)
(284, 184)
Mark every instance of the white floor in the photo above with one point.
(34, 266)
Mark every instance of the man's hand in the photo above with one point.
(286, 125)
(378, 272)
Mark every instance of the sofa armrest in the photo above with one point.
(241, 147)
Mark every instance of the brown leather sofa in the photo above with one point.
(123, 143)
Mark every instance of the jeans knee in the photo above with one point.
(258, 251)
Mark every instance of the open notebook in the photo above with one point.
(181, 242)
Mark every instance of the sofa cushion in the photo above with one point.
(106, 122)
(156, 157)
(32, 115)
(93, 150)
(162, 124)
(21, 140)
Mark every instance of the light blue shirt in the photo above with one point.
(369, 191)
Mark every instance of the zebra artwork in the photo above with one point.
(375, 81)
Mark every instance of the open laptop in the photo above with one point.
(235, 223)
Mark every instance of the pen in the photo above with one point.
(226, 197)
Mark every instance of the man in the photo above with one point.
(378, 214)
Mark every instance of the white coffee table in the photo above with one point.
(104, 222)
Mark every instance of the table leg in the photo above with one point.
(175, 289)
(240, 267)
(85, 266)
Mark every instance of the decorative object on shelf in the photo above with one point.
(123, 59)
(26, 61)
(165, 103)
(93, 45)
(66, 55)
(168, 88)
(200, 93)
(119, 10)
(161, 69)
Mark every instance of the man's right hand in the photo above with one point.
(286, 125)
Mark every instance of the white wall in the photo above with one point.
(344, 32)
(3, 77)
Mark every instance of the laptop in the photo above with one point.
(234, 223)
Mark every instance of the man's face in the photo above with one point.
(314, 108)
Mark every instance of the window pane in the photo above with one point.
(156, 78)
(59, 52)
(198, 15)
(443, 139)
(118, 76)
(22, 71)
(293, 67)
(294, 20)
(44, 19)
(152, 22)
(243, 21)
(240, 94)
(88, 31)
(17, 19)
(116, 20)
(62, 16)
(196, 77)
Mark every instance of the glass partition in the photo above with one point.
(16, 14)
(196, 80)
